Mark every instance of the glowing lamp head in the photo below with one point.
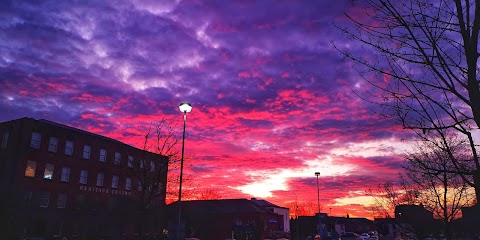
(185, 107)
(317, 174)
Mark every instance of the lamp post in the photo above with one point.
(184, 108)
(318, 204)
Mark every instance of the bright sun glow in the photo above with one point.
(361, 200)
(267, 181)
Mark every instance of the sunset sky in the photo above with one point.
(273, 101)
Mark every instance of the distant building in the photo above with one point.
(468, 224)
(304, 226)
(285, 212)
(356, 225)
(221, 219)
(415, 221)
(411, 213)
(58, 181)
(387, 227)
(332, 227)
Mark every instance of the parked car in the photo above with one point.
(373, 237)
(364, 236)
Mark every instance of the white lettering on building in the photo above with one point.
(105, 191)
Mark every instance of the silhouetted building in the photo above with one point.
(332, 227)
(239, 219)
(58, 181)
(468, 224)
(387, 227)
(356, 225)
(415, 221)
(305, 226)
(284, 212)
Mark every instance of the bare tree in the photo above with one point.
(442, 192)
(208, 194)
(423, 70)
(304, 208)
(428, 182)
(160, 156)
(391, 194)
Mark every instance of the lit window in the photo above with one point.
(36, 140)
(5, 140)
(115, 181)
(62, 200)
(44, 199)
(87, 149)
(83, 176)
(103, 155)
(130, 162)
(69, 148)
(128, 183)
(65, 174)
(152, 166)
(30, 169)
(100, 178)
(118, 158)
(48, 174)
(27, 198)
(53, 144)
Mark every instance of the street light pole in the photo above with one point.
(318, 204)
(184, 108)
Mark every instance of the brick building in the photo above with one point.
(221, 219)
(58, 181)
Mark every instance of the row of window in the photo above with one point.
(44, 199)
(31, 169)
(36, 139)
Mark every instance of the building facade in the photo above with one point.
(221, 219)
(283, 211)
(58, 181)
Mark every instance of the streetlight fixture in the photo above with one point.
(318, 204)
(184, 108)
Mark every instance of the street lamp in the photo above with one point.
(184, 108)
(318, 192)
(318, 204)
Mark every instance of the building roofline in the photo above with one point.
(266, 203)
(78, 130)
